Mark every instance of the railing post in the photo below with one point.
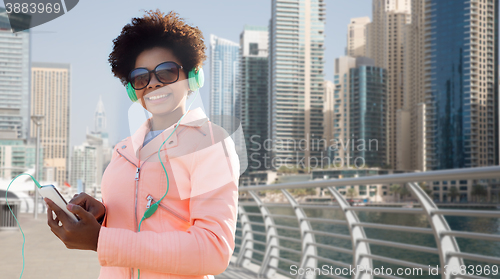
(307, 238)
(357, 234)
(271, 240)
(246, 238)
(446, 243)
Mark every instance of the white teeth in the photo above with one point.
(157, 97)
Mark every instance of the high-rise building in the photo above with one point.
(50, 96)
(296, 65)
(464, 87)
(328, 111)
(17, 157)
(453, 87)
(254, 93)
(358, 113)
(412, 119)
(386, 45)
(14, 80)
(341, 107)
(224, 68)
(367, 93)
(356, 37)
(83, 165)
(99, 139)
(100, 117)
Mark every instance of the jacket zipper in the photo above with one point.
(152, 200)
(149, 204)
(136, 191)
(136, 186)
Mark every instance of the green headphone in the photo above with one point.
(196, 79)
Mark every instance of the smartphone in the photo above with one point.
(49, 191)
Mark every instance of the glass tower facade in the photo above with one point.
(14, 80)
(296, 49)
(254, 93)
(367, 115)
(224, 68)
(464, 90)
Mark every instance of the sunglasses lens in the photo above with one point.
(167, 72)
(139, 78)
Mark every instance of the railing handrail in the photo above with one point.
(453, 174)
(447, 247)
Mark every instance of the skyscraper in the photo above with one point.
(341, 106)
(14, 80)
(100, 117)
(386, 37)
(254, 92)
(296, 82)
(367, 93)
(413, 118)
(83, 165)
(328, 111)
(224, 67)
(50, 96)
(453, 84)
(464, 88)
(358, 113)
(356, 37)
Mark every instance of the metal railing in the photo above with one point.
(287, 238)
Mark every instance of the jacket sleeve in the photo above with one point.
(206, 247)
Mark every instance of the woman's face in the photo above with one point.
(159, 98)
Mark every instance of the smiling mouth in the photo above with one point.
(152, 98)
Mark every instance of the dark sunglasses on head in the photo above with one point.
(166, 73)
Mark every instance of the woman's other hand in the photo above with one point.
(90, 204)
(82, 235)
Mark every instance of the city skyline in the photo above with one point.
(65, 40)
(379, 26)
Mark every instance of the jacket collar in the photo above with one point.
(193, 118)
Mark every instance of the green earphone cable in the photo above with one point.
(152, 209)
(19, 225)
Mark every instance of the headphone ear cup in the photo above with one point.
(131, 93)
(196, 79)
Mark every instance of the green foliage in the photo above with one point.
(351, 193)
(285, 170)
(479, 192)
(453, 193)
(403, 192)
(302, 192)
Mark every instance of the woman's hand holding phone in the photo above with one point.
(90, 204)
(82, 234)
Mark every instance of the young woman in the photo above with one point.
(152, 224)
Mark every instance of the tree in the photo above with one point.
(284, 169)
(302, 192)
(394, 189)
(351, 193)
(403, 192)
(454, 193)
(479, 191)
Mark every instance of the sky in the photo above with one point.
(83, 38)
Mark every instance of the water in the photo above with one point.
(469, 224)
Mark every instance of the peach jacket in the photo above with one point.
(192, 233)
